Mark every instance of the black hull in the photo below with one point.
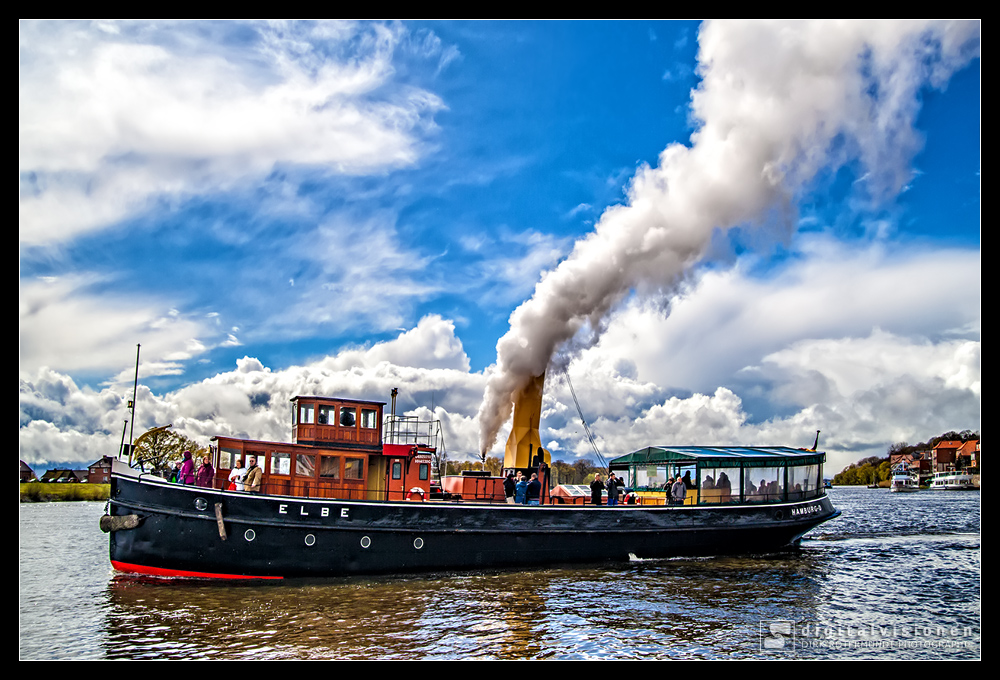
(282, 537)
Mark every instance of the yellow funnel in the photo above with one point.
(524, 441)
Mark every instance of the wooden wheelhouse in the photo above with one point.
(337, 451)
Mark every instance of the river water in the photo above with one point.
(897, 576)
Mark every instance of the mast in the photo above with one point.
(135, 387)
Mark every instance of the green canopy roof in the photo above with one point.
(716, 456)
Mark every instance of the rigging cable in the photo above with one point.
(590, 435)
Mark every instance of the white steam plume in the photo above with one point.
(778, 102)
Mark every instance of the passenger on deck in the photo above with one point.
(533, 491)
(236, 476)
(509, 486)
(725, 486)
(678, 492)
(596, 487)
(520, 489)
(206, 474)
(724, 482)
(613, 484)
(186, 475)
(253, 477)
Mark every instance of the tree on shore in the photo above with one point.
(157, 448)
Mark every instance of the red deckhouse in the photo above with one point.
(337, 451)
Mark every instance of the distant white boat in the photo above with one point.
(951, 480)
(902, 480)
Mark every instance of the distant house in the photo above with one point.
(27, 474)
(944, 454)
(967, 456)
(65, 476)
(100, 472)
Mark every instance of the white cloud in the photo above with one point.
(64, 325)
(730, 319)
(109, 121)
(354, 273)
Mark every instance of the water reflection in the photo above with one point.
(666, 608)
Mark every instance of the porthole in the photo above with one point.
(366, 542)
(418, 543)
(310, 539)
(779, 515)
(200, 503)
(250, 535)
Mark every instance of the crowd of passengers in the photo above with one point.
(240, 478)
(721, 487)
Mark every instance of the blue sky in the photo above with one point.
(275, 209)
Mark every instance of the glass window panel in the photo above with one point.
(716, 485)
(305, 465)
(650, 477)
(281, 463)
(306, 414)
(329, 467)
(348, 416)
(763, 484)
(227, 456)
(803, 482)
(354, 468)
(368, 418)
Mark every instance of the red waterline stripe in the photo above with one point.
(156, 571)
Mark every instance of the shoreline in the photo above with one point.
(45, 492)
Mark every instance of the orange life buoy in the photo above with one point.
(415, 491)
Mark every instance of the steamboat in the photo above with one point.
(352, 494)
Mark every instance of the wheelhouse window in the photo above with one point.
(306, 414)
(329, 467)
(368, 418)
(354, 468)
(348, 416)
(305, 465)
(327, 415)
(281, 463)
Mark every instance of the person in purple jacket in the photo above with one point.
(186, 475)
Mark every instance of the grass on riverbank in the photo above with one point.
(43, 491)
